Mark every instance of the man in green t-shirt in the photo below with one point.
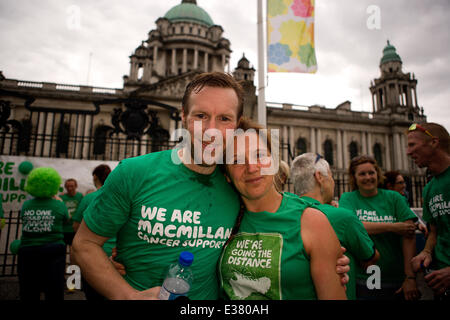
(71, 199)
(429, 147)
(313, 181)
(160, 204)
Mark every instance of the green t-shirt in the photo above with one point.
(266, 259)
(42, 222)
(387, 207)
(353, 237)
(71, 204)
(158, 209)
(436, 210)
(78, 217)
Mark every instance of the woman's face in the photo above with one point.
(366, 177)
(247, 177)
(399, 185)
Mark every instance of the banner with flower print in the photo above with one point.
(290, 33)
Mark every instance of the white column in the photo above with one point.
(312, 134)
(174, 61)
(285, 140)
(369, 144)
(155, 54)
(319, 142)
(345, 149)
(364, 142)
(398, 153)
(195, 58)
(206, 61)
(291, 140)
(387, 155)
(339, 149)
(184, 67)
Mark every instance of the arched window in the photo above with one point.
(328, 151)
(378, 154)
(301, 146)
(353, 149)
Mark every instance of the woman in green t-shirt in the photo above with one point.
(41, 256)
(283, 249)
(390, 224)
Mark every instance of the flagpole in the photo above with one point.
(261, 66)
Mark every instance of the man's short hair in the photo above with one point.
(302, 172)
(439, 132)
(215, 80)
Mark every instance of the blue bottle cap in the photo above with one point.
(186, 258)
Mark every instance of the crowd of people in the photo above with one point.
(250, 238)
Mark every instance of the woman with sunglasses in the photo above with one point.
(390, 224)
(284, 249)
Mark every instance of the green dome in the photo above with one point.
(390, 54)
(189, 11)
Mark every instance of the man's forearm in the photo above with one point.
(96, 267)
(409, 251)
(377, 227)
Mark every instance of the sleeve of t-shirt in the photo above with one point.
(345, 202)
(402, 210)
(109, 211)
(78, 215)
(360, 244)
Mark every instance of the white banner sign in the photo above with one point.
(12, 181)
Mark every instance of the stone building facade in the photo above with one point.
(83, 122)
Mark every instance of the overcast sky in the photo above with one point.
(49, 41)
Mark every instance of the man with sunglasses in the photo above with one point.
(429, 147)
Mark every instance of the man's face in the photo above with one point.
(419, 148)
(213, 108)
(71, 188)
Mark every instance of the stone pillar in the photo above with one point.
(387, 152)
(174, 61)
(285, 140)
(312, 134)
(206, 61)
(184, 66)
(339, 150)
(195, 58)
(319, 142)
(345, 149)
(398, 153)
(364, 142)
(369, 144)
(291, 140)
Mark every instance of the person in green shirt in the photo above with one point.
(283, 249)
(390, 223)
(41, 255)
(429, 147)
(71, 199)
(160, 204)
(99, 175)
(313, 182)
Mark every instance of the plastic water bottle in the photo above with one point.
(179, 278)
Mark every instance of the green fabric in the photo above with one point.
(436, 210)
(266, 259)
(158, 209)
(78, 217)
(71, 204)
(353, 237)
(42, 221)
(387, 207)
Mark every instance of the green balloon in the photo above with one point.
(14, 246)
(25, 167)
